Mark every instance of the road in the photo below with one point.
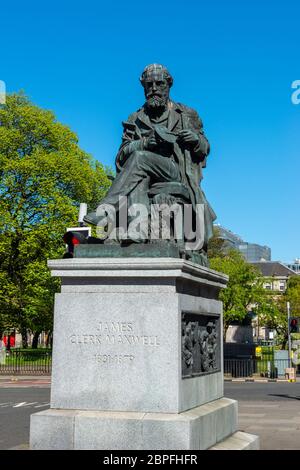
(271, 410)
(16, 406)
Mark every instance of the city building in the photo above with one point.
(251, 251)
(254, 252)
(231, 239)
(295, 266)
(276, 275)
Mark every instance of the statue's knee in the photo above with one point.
(137, 157)
(137, 154)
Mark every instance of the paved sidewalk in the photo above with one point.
(251, 379)
(258, 379)
(25, 381)
(276, 423)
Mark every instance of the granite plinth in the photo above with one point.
(238, 441)
(117, 370)
(197, 429)
(117, 327)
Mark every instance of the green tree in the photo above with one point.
(273, 311)
(292, 295)
(270, 313)
(44, 175)
(217, 246)
(244, 287)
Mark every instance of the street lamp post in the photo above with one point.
(289, 331)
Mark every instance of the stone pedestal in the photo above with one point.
(118, 379)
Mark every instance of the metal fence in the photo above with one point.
(39, 361)
(249, 367)
(26, 362)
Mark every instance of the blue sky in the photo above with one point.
(233, 61)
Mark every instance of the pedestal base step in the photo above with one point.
(238, 441)
(196, 429)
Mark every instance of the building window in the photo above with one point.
(268, 286)
(281, 285)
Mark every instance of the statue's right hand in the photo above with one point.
(150, 142)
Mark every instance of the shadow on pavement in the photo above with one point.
(283, 396)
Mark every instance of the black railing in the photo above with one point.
(249, 367)
(26, 362)
(38, 362)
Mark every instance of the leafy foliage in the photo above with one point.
(244, 286)
(292, 295)
(245, 291)
(44, 175)
(272, 310)
(217, 246)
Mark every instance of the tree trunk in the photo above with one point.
(24, 338)
(225, 328)
(8, 343)
(283, 344)
(35, 339)
(49, 339)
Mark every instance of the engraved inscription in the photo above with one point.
(110, 334)
(115, 327)
(115, 339)
(200, 344)
(85, 339)
(114, 359)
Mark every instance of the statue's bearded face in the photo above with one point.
(156, 93)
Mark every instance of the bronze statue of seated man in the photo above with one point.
(163, 146)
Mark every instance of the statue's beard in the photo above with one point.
(156, 102)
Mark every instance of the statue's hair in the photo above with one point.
(158, 71)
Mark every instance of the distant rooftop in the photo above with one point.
(273, 268)
(295, 262)
(295, 266)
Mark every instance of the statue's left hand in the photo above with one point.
(187, 136)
